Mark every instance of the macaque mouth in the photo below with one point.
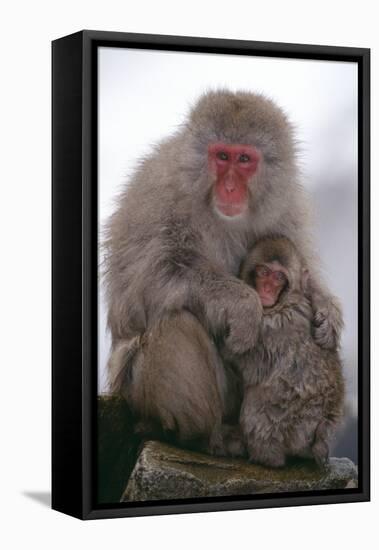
(232, 166)
(230, 209)
(269, 300)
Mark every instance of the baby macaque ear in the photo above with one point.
(304, 279)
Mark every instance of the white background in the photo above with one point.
(27, 28)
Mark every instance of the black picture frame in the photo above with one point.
(74, 272)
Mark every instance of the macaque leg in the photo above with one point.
(177, 381)
(264, 441)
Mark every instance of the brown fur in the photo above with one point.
(167, 252)
(293, 389)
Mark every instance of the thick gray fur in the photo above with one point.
(293, 392)
(172, 261)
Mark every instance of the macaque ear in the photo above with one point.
(305, 279)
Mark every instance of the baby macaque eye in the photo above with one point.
(261, 271)
(279, 276)
(244, 158)
(222, 155)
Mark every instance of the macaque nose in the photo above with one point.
(230, 184)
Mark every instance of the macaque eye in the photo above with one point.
(244, 158)
(261, 271)
(279, 276)
(222, 155)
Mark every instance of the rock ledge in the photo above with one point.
(166, 472)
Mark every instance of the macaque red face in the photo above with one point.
(232, 166)
(270, 280)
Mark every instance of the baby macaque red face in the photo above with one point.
(233, 167)
(270, 280)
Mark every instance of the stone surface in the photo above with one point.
(166, 472)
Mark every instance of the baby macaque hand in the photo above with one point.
(327, 324)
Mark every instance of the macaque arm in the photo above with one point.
(228, 307)
(172, 274)
(327, 320)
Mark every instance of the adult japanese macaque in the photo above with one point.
(293, 388)
(173, 249)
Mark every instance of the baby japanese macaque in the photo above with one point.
(293, 388)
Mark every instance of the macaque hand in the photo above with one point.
(327, 323)
(243, 314)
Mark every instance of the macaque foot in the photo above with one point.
(229, 442)
(271, 457)
(320, 452)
